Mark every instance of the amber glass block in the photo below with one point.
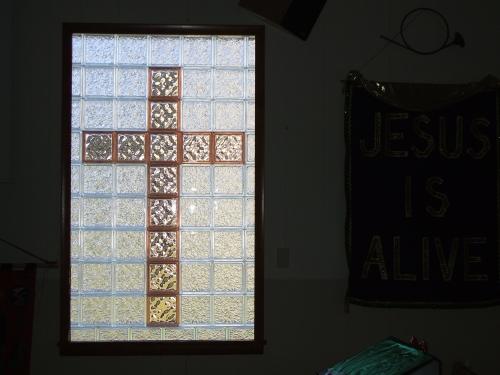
(229, 148)
(163, 277)
(164, 115)
(196, 148)
(163, 212)
(163, 180)
(162, 309)
(131, 147)
(164, 83)
(98, 147)
(163, 147)
(162, 245)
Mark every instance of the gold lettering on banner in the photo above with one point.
(377, 138)
(375, 258)
(469, 259)
(459, 138)
(417, 128)
(389, 135)
(425, 259)
(408, 205)
(447, 265)
(397, 262)
(485, 141)
(445, 203)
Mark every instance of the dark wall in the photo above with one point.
(306, 326)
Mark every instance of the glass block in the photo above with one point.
(250, 212)
(195, 212)
(99, 49)
(96, 277)
(163, 115)
(250, 84)
(228, 212)
(163, 212)
(229, 147)
(75, 277)
(82, 334)
(76, 114)
(228, 180)
(130, 212)
(163, 180)
(250, 244)
(129, 277)
(230, 51)
(129, 244)
(195, 245)
(75, 178)
(75, 147)
(112, 334)
(76, 81)
(196, 83)
(250, 277)
(195, 180)
(195, 277)
(129, 310)
(97, 178)
(196, 116)
(251, 52)
(228, 83)
(178, 334)
(197, 50)
(163, 147)
(250, 107)
(249, 309)
(228, 244)
(165, 50)
(99, 81)
(130, 179)
(211, 334)
(98, 114)
(164, 83)
(77, 49)
(162, 309)
(228, 277)
(196, 148)
(97, 244)
(163, 277)
(250, 148)
(75, 211)
(195, 310)
(75, 244)
(145, 334)
(74, 310)
(131, 82)
(98, 147)
(131, 147)
(228, 309)
(132, 49)
(241, 334)
(229, 115)
(131, 114)
(97, 211)
(163, 245)
(250, 182)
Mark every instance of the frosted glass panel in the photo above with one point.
(197, 50)
(165, 50)
(131, 82)
(99, 49)
(228, 83)
(195, 244)
(228, 180)
(131, 179)
(99, 81)
(197, 83)
(228, 212)
(195, 180)
(132, 49)
(230, 51)
(98, 114)
(131, 114)
(229, 115)
(196, 116)
(195, 309)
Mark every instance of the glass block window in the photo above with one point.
(162, 146)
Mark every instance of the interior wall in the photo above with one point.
(305, 323)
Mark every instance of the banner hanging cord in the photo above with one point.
(45, 262)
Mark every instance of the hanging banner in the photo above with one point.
(422, 193)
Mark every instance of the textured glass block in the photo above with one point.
(250, 277)
(163, 115)
(76, 81)
(99, 49)
(164, 82)
(163, 147)
(196, 116)
(241, 334)
(145, 334)
(130, 310)
(129, 278)
(75, 277)
(97, 211)
(97, 179)
(196, 83)
(178, 334)
(165, 50)
(250, 244)
(96, 277)
(98, 147)
(196, 148)
(195, 310)
(132, 49)
(130, 212)
(75, 244)
(130, 179)
(163, 212)
(228, 180)
(97, 244)
(74, 310)
(98, 114)
(228, 244)
(250, 84)
(229, 115)
(228, 309)
(211, 334)
(163, 180)
(112, 334)
(250, 107)
(251, 52)
(163, 277)
(163, 245)
(82, 334)
(131, 147)
(131, 114)
(228, 212)
(195, 180)
(76, 114)
(228, 277)
(77, 49)
(230, 51)
(250, 212)
(131, 82)
(195, 245)
(99, 81)
(75, 147)
(129, 244)
(250, 182)
(249, 309)
(228, 83)
(195, 277)
(162, 309)
(229, 147)
(250, 148)
(75, 211)
(195, 212)
(75, 178)
(197, 50)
